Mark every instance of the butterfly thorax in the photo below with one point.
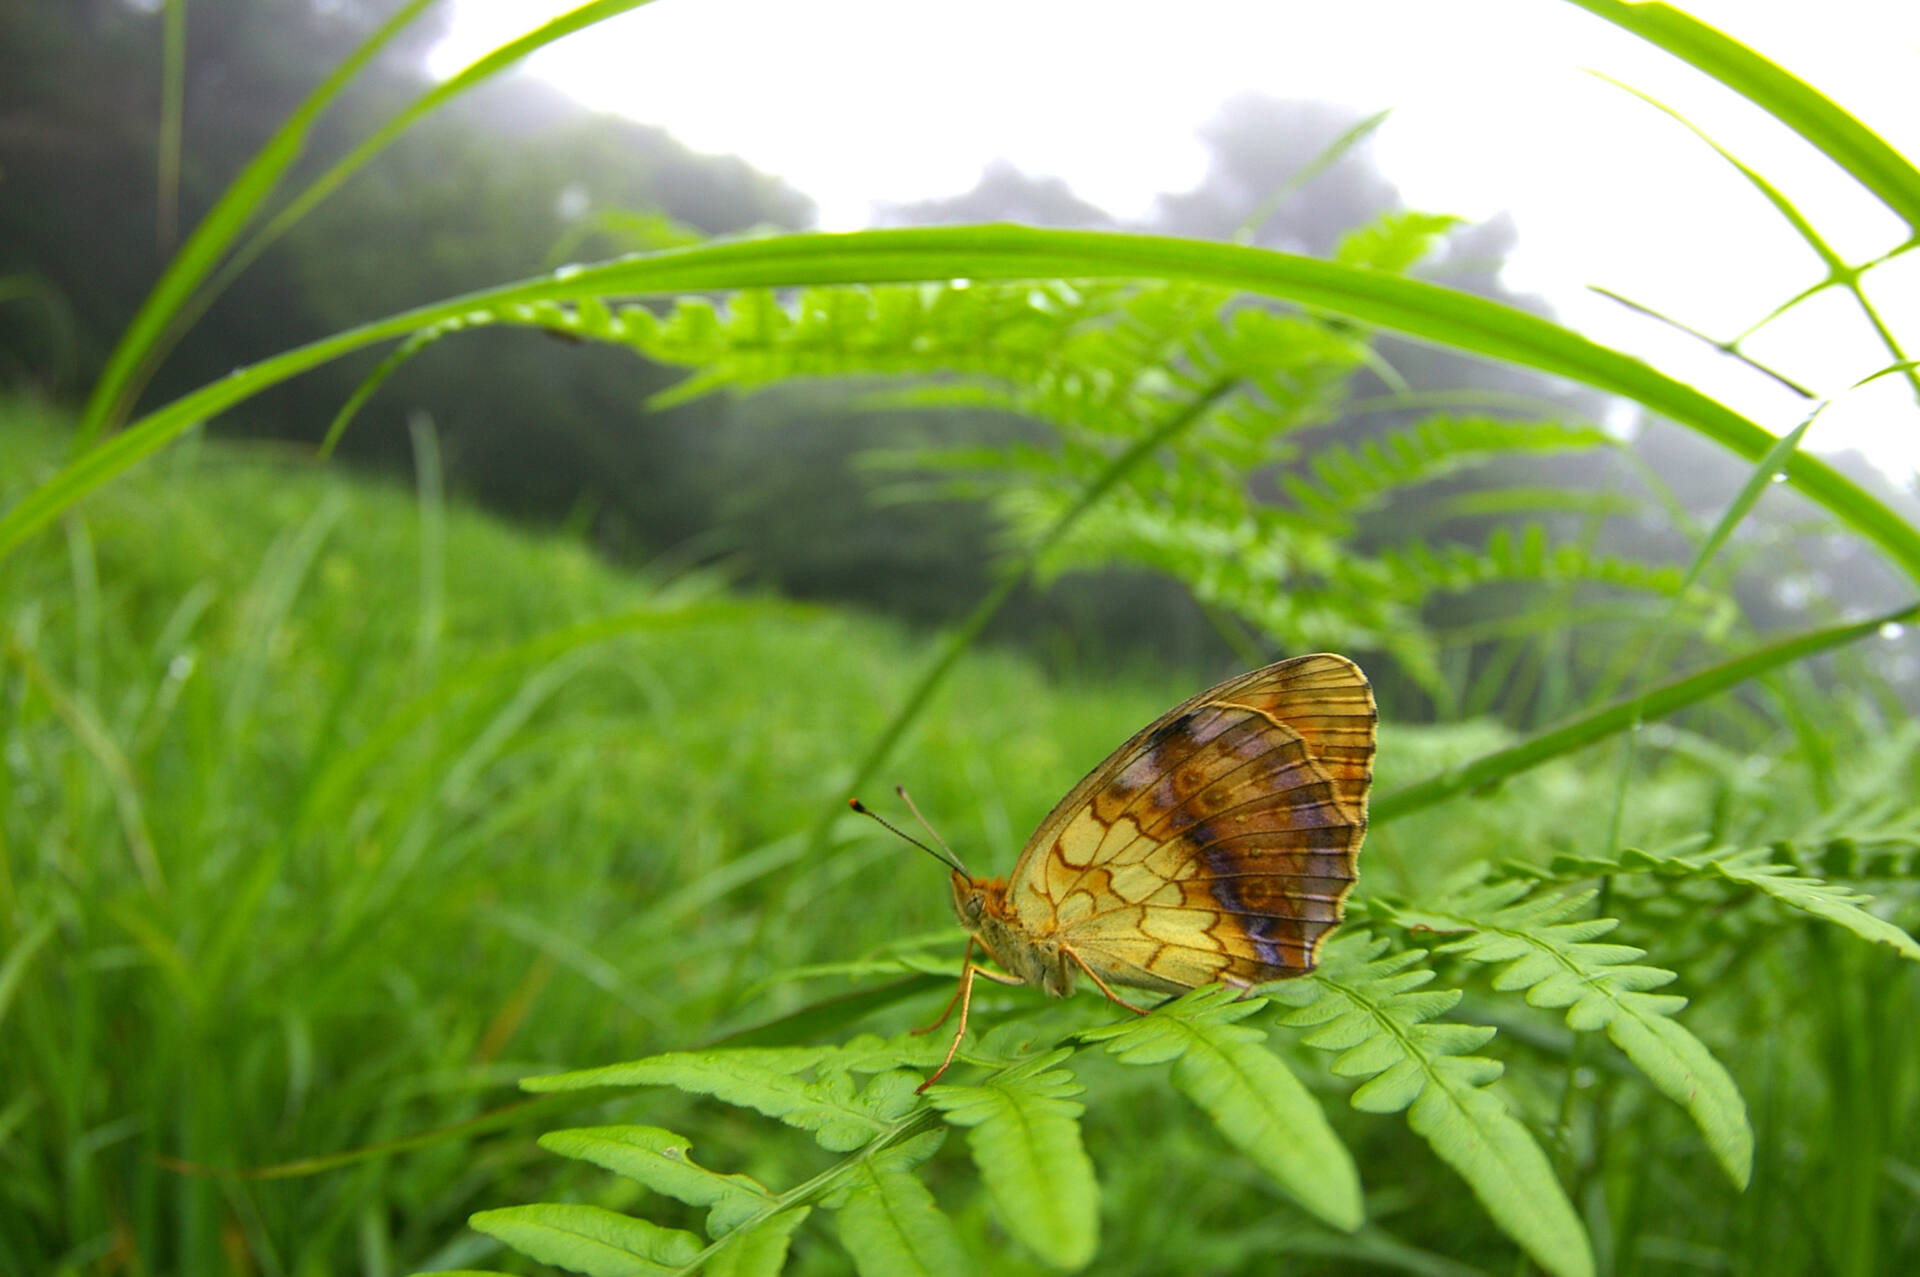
(982, 907)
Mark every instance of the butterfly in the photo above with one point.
(1217, 845)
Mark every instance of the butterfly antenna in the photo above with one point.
(950, 860)
(925, 824)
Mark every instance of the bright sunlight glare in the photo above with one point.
(1498, 105)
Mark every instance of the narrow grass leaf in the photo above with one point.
(589, 1239)
(1024, 1131)
(19, 957)
(223, 223)
(1418, 309)
(1856, 148)
(1492, 768)
(1759, 479)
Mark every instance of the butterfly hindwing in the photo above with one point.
(1219, 841)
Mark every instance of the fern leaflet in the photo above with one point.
(1346, 480)
(1753, 869)
(1557, 964)
(888, 1220)
(841, 1116)
(1024, 1131)
(1371, 1008)
(661, 1161)
(590, 1239)
(1226, 1068)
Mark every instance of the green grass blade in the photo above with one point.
(1758, 481)
(488, 66)
(335, 785)
(1491, 769)
(1814, 116)
(1424, 311)
(19, 956)
(218, 230)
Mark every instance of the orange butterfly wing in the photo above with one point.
(1219, 843)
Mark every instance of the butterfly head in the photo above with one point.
(975, 899)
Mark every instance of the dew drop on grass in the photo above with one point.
(1892, 630)
(568, 271)
(1779, 476)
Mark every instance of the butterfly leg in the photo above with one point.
(966, 965)
(1080, 962)
(964, 996)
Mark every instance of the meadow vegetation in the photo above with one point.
(371, 868)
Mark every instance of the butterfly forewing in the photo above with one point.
(1219, 842)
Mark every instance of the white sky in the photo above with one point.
(863, 101)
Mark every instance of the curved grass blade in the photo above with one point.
(1814, 116)
(1416, 309)
(1491, 769)
(219, 228)
(179, 298)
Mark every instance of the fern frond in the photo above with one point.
(759, 1250)
(1753, 869)
(1227, 1069)
(766, 1080)
(660, 1160)
(1856, 853)
(589, 1239)
(1395, 241)
(1372, 1008)
(1343, 480)
(1022, 335)
(889, 1222)
(1421, 569)
(1830, 902)
(1557, 963)
(1532, 500)
(1024, 1131)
